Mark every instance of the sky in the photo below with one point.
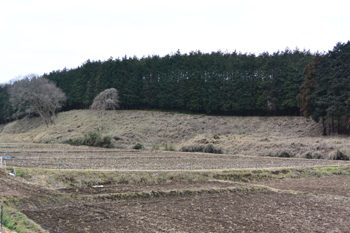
(39, 36)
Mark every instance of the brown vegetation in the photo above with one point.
(265, 136)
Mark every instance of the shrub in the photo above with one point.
(92, 139)
(284, 154)
(155, 147)
(318, 156)
(339, 155)
(210, 148)
(218, 150)
(106, 142)
(308, 155)
(169, 147)
(193, 148)
(138, 146)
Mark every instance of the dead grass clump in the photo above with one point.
(339, 155)
(92, 139)
(210, 148)
(284, 154)
(169, 147)
(193, 148)
(155, 147)
(281, 154)
(310, 155)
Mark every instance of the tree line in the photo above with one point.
(325, 93)
(213, 83)
(216, 83)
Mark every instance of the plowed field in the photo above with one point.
(147, 160)
(243, 212)
(176, 205)
(335, 185)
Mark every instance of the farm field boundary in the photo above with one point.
(54, 178)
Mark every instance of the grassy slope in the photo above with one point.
(237, 135)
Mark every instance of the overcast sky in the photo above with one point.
(39, 36)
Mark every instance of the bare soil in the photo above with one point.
(335, 185)
(244, 212)
(24, 193)
(147, 160)
(84, 209)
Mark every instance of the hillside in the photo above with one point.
(235, 135)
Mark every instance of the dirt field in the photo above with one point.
(146, 160)
(184, 207)
(129, 198)
(243, 212)
(335, 185)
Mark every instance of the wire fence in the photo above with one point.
(14, 227)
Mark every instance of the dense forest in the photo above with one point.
(325, 93)
(216, 83)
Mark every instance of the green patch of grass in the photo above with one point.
(19, 222)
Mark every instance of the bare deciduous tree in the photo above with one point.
(107, 99)
(36, 95)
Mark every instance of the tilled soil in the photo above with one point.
(334, 185)
(147, 160)
(17, 187)
(243, 212)
(136, 188)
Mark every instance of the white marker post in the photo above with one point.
(1, 162)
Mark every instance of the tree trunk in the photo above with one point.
(324, 127)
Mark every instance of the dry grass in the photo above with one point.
(56, 179)
(267, 136)
(5, 230)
